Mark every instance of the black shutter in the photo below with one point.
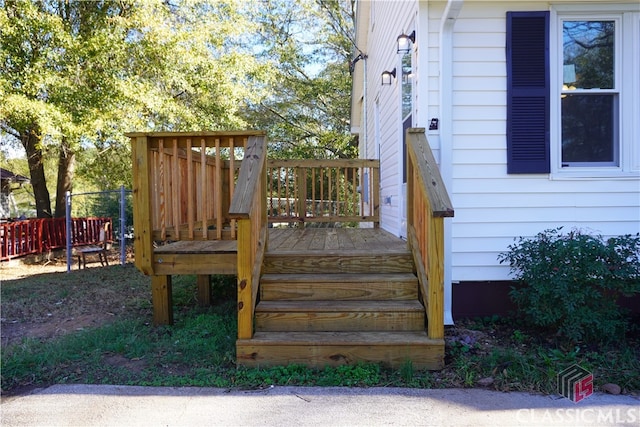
(528, 92)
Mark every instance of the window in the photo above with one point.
(573, 93)
(589, 95)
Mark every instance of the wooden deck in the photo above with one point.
(327, 296)
(317, 296)
(219, 256)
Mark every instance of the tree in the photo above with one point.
(309, 43)
(27, 39)
(79, 74)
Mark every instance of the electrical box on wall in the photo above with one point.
(434, 124)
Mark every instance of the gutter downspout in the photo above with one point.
(447, 22)
(365, 131)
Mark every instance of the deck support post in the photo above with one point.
(162, 300)
(204, 290)
(245, 283)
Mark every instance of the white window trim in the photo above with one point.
(627, 56)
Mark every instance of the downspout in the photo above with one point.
(363, 142)
(447, 22)
(365, 131)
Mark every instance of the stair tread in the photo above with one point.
(337, 277)
(363, 262)
(395, 338)
(339, 306)
(346, 252)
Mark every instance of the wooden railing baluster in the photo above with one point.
(312, 207)
(160, 182)
(218, 191)
(190, 191)
(204, 188)
(322, 198)
(354, 192)
(174, 184)
(232, 181)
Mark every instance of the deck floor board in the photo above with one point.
(333, 240)
(199, 247)
(300, 241)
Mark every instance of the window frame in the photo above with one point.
(627, 47)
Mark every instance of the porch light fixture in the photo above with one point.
(386, 77)
(403, 42)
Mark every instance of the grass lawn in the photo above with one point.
(94, 326)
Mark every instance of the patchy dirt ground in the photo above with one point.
(23, 267)
(59, 312)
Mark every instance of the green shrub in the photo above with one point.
(571, 282)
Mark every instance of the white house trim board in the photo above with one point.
(447, 24)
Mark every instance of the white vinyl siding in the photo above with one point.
(491, 207)
(382, 41)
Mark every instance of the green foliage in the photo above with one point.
(407, 372)
(518, 336)
(513, 370)
(77, 75)
(359, 375)
(571, 282)
(309, 45)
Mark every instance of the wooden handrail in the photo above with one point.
(249, 208)
(323, 163)
(255, 156)
(429, 173)
(428, 204)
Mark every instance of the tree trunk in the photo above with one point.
(66, 169)
(30, 141)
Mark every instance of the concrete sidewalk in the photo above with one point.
(94, 405)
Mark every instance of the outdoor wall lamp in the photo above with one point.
(403, 42)
(386, 77)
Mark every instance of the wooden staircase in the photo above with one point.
(305, 294)
(340, 307)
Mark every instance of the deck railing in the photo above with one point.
(248, 207)
(428, 204)
(183, 186)
(38, 235)
(342, 190)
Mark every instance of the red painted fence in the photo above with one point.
(34, 236)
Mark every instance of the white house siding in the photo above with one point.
(491, 207)
(387, 20)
